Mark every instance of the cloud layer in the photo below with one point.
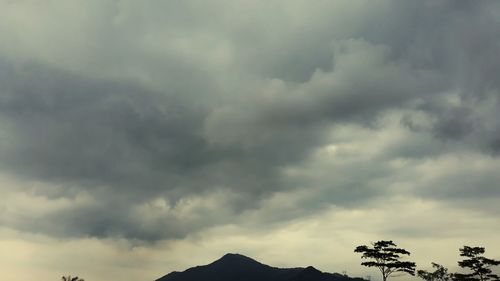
(156, 121)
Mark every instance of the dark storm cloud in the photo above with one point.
(461, 43)
(228, 103)
(127, 145)
(63, 127)
(466, 184)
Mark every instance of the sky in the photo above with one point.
(142, 137)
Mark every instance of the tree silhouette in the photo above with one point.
(385, 256)
(478, 264)
(439, 274)
(69, 278)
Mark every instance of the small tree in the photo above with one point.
(439, 274)
(385, 256)
(478, 264)
(69, 278)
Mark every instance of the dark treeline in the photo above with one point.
(389, 260)
(69, 278)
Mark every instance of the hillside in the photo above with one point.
(235, 267)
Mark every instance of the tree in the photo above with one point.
(69, 278)
(439, 274)
(385, 256)
(478, 264)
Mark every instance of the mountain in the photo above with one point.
(235, 267)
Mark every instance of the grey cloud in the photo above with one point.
(65, 127)
(107, 137)
(461, 45)
(454, 124)
(464, 177)
(173, 101)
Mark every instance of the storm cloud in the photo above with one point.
(153, 121)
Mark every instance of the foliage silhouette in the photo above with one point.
(478, 264)
(69, 278)
(385, 256)
(439, 274)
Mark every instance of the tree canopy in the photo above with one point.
(479, 265)
(386, 256)
(69, 278)
(439, 274)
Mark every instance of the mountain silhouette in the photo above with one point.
(236, 267)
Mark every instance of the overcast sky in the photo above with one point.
(141, 137)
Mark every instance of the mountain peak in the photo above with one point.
(233, 266)
(233, 256)
(311, 269)
(233, 259)
(310, 273)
